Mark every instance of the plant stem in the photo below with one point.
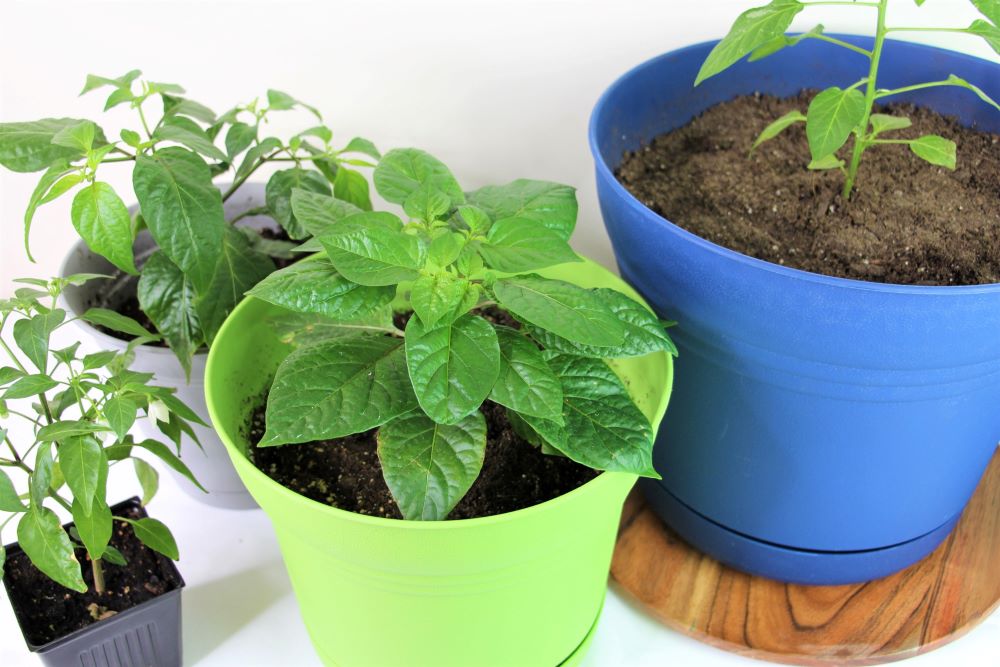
(920, 29)
(258, 210)
(846, 45)
(240, 181)
(95, 566)
(870, 90)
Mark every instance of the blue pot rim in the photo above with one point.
(604, 171)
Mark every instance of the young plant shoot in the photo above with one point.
(452, 261)
(837, 114)
(80, 411)
(203, 264)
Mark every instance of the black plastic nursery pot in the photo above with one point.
(146, 635)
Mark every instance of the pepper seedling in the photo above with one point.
(80, 412)
(836, 114)
(204, 264)
(452, 258)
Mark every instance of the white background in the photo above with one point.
(497, 89)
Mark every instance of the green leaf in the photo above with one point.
(186, 132)
(337, 388)
(352, 187)
(81, 460)
(429, 467)
(120, 413)
(314, 286)
(884, 123)
(30, 385)
(780, 42)
(603, 427)
(239, 137)
(93, 81)
(49, 548)
(551, 205)
(168, 297)
(833, 114)
(526, 383)
(179, 106)
(316, 213)
(979, 27)
(148, 478)
(103, 222)
(41, 477)
(988, 8)
(98, 359)
(9, 499)
(751, 29)
(155, 535)
(255, 154)
(32, 335)
(60, 430)
(94, 527)
(53, 174)
(278, 194)
(27, 147)
(452, 366)
(644, 333)
(936, 150)
(117, 322)
(8, 374)
(183, 210)
(301, 329)
(240, 267)
(371, 249)
(519, 244)
(565, 309)
(958, 81)
(113, 556)
(403, 170)
(826, 162)
(442, 296)
(163, 452)
(279, 101)
(445, 248)
(476, 218)
(363, 146)
(427, 203)
(778, 126)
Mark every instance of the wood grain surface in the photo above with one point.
(914, 611)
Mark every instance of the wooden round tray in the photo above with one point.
(914, 611)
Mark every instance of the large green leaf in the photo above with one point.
(300, 329)
(314, 286)
(403, 170)
(189, 134)
(833, 114)
(337, 388)
(82, 459)
(526, 383)
(102, 220)
(603, 427)
(32, 335)
(168, 297)
(240, 267)
(182, 209)
(429, 467)
(442, 296)
(49, 548)
(452, 366)
(30, 385)
(278, 194)
(117, 322)
(120, 411)
(71, 428)
(520, 244)
(644, 333)
(936, 150)
(239, 137)
(567, 310)
(26, 147)
(551, 205)
(155, 535)
(94, 527)
(371, 249)
(751, 29)
(316, 213)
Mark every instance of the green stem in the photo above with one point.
(98, 570)
(840, 42)
(240, 181)
(259, 210)
(890, 141)
(870, 90)
(142, 117)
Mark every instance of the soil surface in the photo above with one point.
(48, 611)
(346, 473)
(908, 222)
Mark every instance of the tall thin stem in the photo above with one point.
(870, 91)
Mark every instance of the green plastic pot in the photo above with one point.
(520, 589)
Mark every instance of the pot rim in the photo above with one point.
(605, 171)
(15, 548)
(603, 481)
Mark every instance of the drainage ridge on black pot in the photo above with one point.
(823, 430)
(146, 635)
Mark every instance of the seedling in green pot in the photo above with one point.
(481, 327)
(204, 264)
(837, 114)
(80, 412)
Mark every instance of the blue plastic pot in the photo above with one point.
(822, 430)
